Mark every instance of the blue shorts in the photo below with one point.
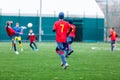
(69, 39)
(61, 46)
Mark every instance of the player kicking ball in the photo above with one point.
(11, 33)
(32, 38)
(70, 38)
(113, 36)
(62, 29)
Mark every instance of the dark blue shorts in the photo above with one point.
(61, 46)
(69, 39)
(112, 41)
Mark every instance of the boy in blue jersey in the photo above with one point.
(18, 36)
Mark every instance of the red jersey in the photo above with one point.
(61, 27)
(113, 35)
(32, 37)
(10, 31)
(72, 33)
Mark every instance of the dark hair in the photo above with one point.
(113, 28)
(61, 15)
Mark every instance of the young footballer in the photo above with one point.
(70, 38)
(32, 38)
(113, 35)
(11, 33)
(18, 36)
(62, 29)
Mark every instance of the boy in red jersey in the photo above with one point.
(12, 34)
(62, 29)
(70, 38)
(32, 38)
(113, 35)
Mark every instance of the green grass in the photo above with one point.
(84, 63)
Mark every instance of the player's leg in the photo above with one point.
(31, 45)
(13, 39)
(112, 45)
(20, 43)
(60, 50)
(14, 46)
(69, 47)
(35, 46)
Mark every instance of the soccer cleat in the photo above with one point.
(16, 52)
(65, 66)
(67, 56)
(62, 64)
(21, 49)
(32, 49)
(37, 49)
(70, 52)
(114, 47)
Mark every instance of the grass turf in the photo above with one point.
(84, 64)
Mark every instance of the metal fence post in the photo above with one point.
(40, 22)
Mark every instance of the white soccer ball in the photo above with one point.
(30, 25)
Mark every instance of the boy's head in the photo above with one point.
(61, 15)
(31, 31)
(112, 28)
(8, 23)
(17, 24)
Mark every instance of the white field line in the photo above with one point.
(104, 48)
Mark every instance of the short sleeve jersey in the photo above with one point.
(72, 33)
(10, 31)
(61, 27)
(113, 35)
(32, 37)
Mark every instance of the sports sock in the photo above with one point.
(63, 59)
(31, 46)
(14, 45)
(35, 45)
(20, 44)
(112, 47)
(70, 47)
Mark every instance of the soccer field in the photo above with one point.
(90, 61)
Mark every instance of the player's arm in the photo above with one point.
(110, 35)
(69, 31)
(36, 37)
(21, 31)
(54, 28)
(27, 37)
(116, 35)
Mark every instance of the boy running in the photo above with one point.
(32, 38)
(113, 35)
(62, 29)
(70, 38)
